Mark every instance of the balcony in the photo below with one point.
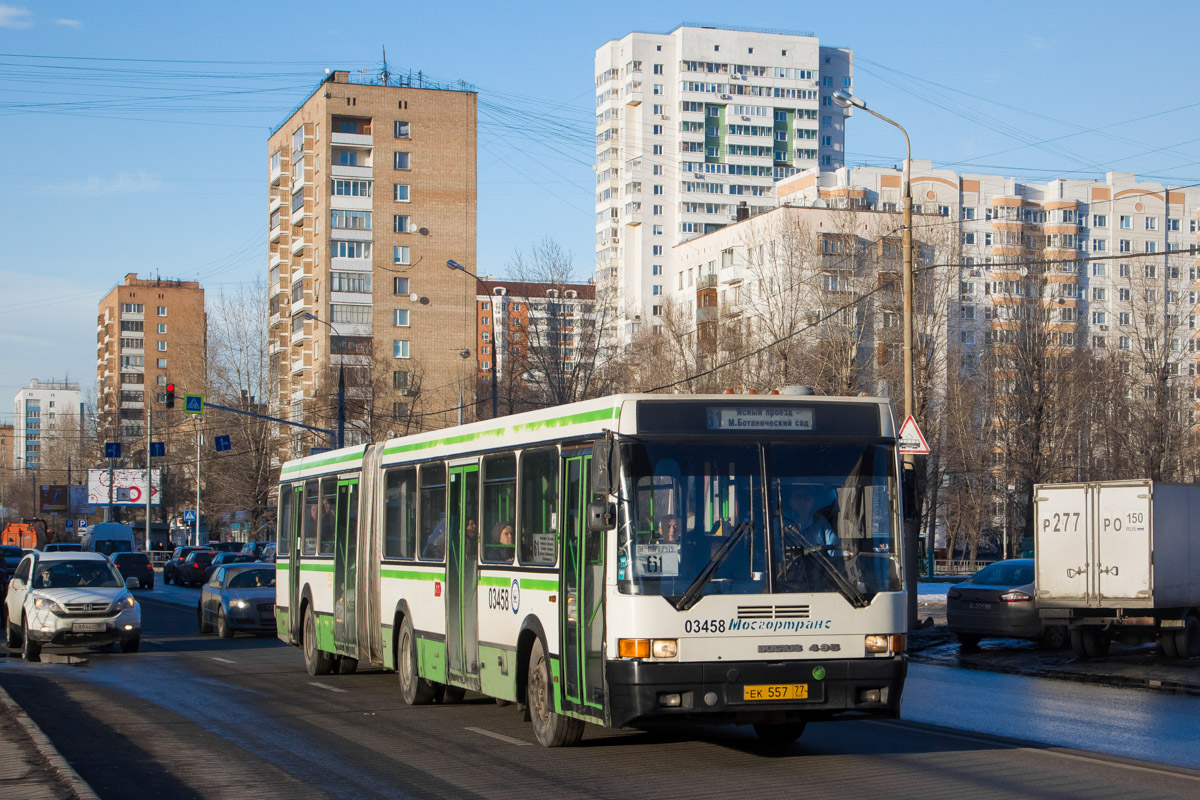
(276, 232)
(350, 203)
(353, 139)
(706, 314)
(342, 171)
(297, 244)
(275, 203)
(299, 214)
(708, 281)
(275, 260)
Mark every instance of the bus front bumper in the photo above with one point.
(646, 692)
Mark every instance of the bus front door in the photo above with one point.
(293, 559)
(583, 590)
(462, 577)
(345, 567)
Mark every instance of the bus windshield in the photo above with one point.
(817, 519)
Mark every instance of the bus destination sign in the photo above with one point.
(763, 417)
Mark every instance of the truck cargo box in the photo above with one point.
(1118, 544)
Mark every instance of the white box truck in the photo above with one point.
(1120, 560)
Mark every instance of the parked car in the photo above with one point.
(268, 554)
(63, 547)
(69, 599)
(225, 547)
(225, 559)
(171, 568)
(191, 571)
(239, 597)
(998, 601)
(135, 565)
(254, 549)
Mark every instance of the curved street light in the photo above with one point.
(454, 265)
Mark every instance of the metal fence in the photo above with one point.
(954, 566)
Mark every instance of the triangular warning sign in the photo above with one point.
(911, 439)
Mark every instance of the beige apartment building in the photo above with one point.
(149, 332)
(372, 189)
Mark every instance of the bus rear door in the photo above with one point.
(345, 568)
(462, 576)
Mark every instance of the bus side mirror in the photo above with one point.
(908, 491)
(602, 466)
(600, 516)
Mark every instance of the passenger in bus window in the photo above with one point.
(500, 543)
(435, 545)
(326, 527)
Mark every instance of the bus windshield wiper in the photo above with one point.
(847, 589)
(692, 595)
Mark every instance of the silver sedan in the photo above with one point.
(238, 597)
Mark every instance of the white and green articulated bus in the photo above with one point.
(635, 560)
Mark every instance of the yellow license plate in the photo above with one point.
(776, 691)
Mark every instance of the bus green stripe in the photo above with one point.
(556, 422)
(355, 455)
(534, 584)
(316, 567)
(414, 575)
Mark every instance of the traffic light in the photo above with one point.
(170, 395)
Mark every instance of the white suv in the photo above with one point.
(70, 598)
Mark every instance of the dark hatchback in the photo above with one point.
(224, 560)
(135, 565)
(194, 567)
(998, 602)
(171, 568)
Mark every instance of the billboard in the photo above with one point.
(54, 499)
(128, 487)
(79, 503)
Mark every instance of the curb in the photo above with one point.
(66, 773)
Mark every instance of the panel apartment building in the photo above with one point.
(149, 332)
(692, 126)
(372, 188)
(36, 409)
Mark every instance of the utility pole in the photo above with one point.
(197, 522)
(149, 478)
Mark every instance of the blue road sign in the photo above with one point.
(189, 515)
(112, 449)
(157, 449)
(222, 443)
(193, 403)
(83, 524)
(312, 451)
(69, 524)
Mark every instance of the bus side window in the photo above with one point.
(310, 518)
(287, 520)
(400, 513)
(538, 523)
(432, 520)
(499, 508)
(328, 507)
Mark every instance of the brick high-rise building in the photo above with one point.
(149, 332)
(6, 448)
(372, 189)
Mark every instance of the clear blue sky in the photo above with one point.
(134, 133)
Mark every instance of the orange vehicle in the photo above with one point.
(27, 535)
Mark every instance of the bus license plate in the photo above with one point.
(87, 627)
(776, 691)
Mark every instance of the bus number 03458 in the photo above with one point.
(704, 626)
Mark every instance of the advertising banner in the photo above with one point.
(54, 500)
(128, 487)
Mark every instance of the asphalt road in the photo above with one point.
(197, 716)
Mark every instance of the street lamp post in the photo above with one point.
(847, 100)
(454, 265)
(341, 398)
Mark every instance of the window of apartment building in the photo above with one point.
(1151, 247)
(162, 346)
(400, 223)
(656, 230)
(133, 361)
(1099, 293)
(657, 130)
(1123, 318)
(161, 380)
(1123, 295)
(656, 210)
(400, 286)
(341, 187)
(656, 289)
(657, 250)
(968, 213)
(1151, 223)
(943, 211)
(400, 192)
(162, 327)
(347, 313)
(1099, 270)
(658, 69)
(132, 308)
(1098, 318)
(656, 269)
(826, 141)
(400, 129)
(400, 348)
(400, 318)
(658, 109)
(400, 254)
(400, 160)
(1151, 271)
(298, 140)
(658, 149)
(1125, 246)
(343, 249)
(969, 238)
(350, 282)
(400, 380)
(1099, 221)
(131, 325)
(656, 310)
(162, 363)
(1126, 221)
(350, 220)
(1099, 245)
(136, 344)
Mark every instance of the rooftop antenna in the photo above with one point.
(384, 75)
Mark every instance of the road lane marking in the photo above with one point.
(1056, 750)
(222, 660)
(501, 737)
(326, 686)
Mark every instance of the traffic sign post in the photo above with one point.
(911, 440)
(157, 449)
(189, 515)
(222, 443)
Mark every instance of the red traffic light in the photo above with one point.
(170, 387)
(169, 400)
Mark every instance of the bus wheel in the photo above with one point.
(779, 733)
(347, 665)
(316, 661)
(452, 695)
(415, 690)
(550, 728)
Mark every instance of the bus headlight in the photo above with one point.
(664, 648)
(877, 643)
